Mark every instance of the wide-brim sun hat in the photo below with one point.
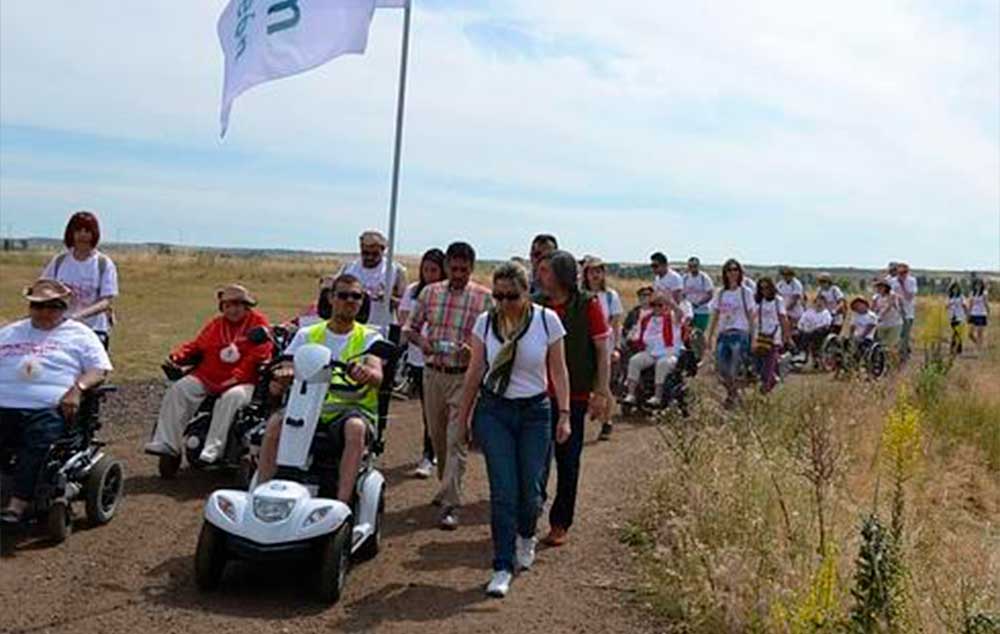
(862, 300)
(47, 290)
(235, 293)
(824, 277)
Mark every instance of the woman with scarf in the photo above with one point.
(516, 346)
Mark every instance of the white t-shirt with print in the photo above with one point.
(332, 341)
(769, 317)
(887, 308)
(373, 281)
(832, 297)
(415, 356)
(860, 321)
(956, 308)
(910, 286)
(813, 320)
(669, 282)
(789, 291)
(37, 367)
(652, 337)
(977, 305)
(529, 376)
(733, 306)
(699, 288)
(82, 278)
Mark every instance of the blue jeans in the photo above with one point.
(33, 431)
(515, 438)
(567, 465)
(731, 352)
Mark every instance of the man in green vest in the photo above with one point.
(354, 416)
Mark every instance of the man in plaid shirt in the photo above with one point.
(448, 309)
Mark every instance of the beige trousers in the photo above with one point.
(441, 396)
(181, 402)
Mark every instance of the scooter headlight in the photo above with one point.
(272, 509)
(316, 516)
(226, 506)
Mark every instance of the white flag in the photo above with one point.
(268, 39)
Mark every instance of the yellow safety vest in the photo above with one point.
(337, 402)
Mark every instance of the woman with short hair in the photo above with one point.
(517, 348)
(90, 275)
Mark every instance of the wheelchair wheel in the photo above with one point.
(373, 544)
(169, 466)
(103, 490)
(875, 362)
(832, 353)
(59, 523)
(335, 557)
(209, 558)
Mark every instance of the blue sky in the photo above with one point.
(810, 133)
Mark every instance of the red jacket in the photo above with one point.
(214, 373)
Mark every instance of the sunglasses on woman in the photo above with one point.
(509, 297)
(350, 295)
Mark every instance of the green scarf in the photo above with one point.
(498, 377)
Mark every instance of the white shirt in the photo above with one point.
(332, 341)
(977, 305)
(887, 307)
(652, 337)
(909, 286)
(373, 281)
(669, 282)
(769, 317)
(733, 306)
(749, 282)
(956, 308)
(82, 278)
(860, 321)
(698, 288)
(788, 292)
(813, 320)
(37, 367)
(832, 297)
(415, 355)
(529, 376)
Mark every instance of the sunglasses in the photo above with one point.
(47, 305)
(732, 269)
(657, 304)
(509, 297)
(350, 295)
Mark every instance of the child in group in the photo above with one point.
(957, 312)
(979, 310)
(813, 326)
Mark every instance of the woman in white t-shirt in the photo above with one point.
(958, 313)
(734, 314)
(47, 363)
(773, 330)
(888, 307)
(431, 270)
(979, 311)
(813, 327)
(595, 281)
(90, 274)
(516, 347)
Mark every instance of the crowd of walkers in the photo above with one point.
(515, 368)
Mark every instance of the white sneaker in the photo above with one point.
(208, 456)
(629, 399)
(424, 469)
(525, 548)
(654, 402)
(160, 449)
(499, 585)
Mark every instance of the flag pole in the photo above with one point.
(394, 199)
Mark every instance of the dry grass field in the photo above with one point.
(751, 521)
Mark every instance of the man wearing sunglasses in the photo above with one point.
(353, 418)
(370, 270)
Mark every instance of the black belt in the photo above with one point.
(519, 402)
(446, 370)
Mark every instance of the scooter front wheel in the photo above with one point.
(335, 556)
(209, 558)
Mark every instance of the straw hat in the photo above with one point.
(863, 300)
(235, 293)
(46, 290)
(593, 262)
(824, 277)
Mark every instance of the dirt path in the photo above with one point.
(135, 574)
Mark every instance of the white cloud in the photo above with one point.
(764, 122)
